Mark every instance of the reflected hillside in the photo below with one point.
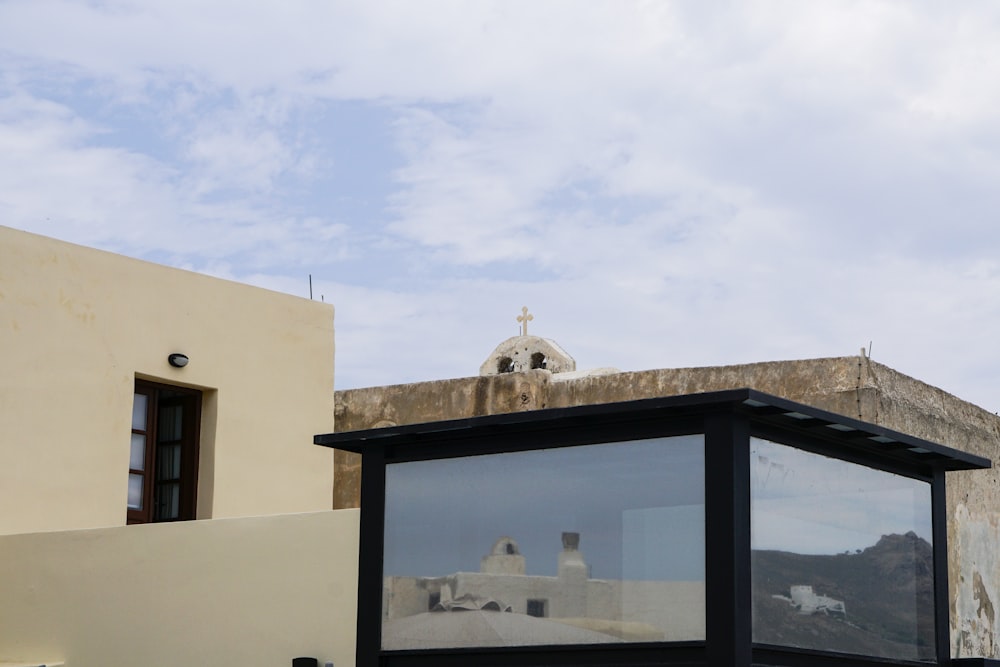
(886, 591)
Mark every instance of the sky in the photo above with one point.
(637, 506)
(812, 504)
(663, 184)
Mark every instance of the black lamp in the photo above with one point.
(177, 360)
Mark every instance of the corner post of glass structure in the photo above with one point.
(939, 514)
(369, 614)
(727, 540)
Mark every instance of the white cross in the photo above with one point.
(524, 318)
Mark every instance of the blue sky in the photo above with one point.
(663, 184)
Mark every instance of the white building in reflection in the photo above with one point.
(807, 602)
(626, 610)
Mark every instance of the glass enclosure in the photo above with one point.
(588, 544)
(841, 555)
(773, 533)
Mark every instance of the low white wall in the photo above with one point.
(246, 592)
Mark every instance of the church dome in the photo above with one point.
(524, 353)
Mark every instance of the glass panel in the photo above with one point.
(167, 501)
(137, 455)
(170, 423)
(841, 555)
(168, 462)
(607, 542)
(139, 412)
(134, 491)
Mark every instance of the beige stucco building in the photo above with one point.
(85, 337)
(81, 326)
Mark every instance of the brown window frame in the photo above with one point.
(160, 395)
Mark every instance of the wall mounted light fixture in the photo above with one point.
(177, 360)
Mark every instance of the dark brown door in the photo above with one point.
(163, 461)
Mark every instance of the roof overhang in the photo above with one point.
(867, 439)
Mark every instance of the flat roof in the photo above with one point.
(759, 407)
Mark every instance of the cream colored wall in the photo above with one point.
(243, 592)
(78, 325)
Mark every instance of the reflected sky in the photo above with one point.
(638, 506)
(813, 504)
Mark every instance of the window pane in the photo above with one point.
(139, 412)
(606, 542)
(137, 456)
(170, 423)
(168, 462)
(167, 501)
(841, 555)
(134, 491)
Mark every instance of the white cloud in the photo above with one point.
(52, 178)
(808, 503)
(57, 178)
(663, 183)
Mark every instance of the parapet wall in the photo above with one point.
(254, 592)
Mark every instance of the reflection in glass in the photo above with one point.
(841, 555)
(139, 412)
(134, 491)
(137, 453)
(576, 545)
(170, 423)
(167, 501)
(168, 464)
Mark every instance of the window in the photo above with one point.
(619, 543)
(842, 555)
(163, 456)
(536, 608)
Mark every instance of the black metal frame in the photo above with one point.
(728, 419)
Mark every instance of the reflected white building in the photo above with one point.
(807, 602)
(624, 610)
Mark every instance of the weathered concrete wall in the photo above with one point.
(834, 384)
(375, 407)
(852, 386)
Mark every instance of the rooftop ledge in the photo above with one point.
(759, 406)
